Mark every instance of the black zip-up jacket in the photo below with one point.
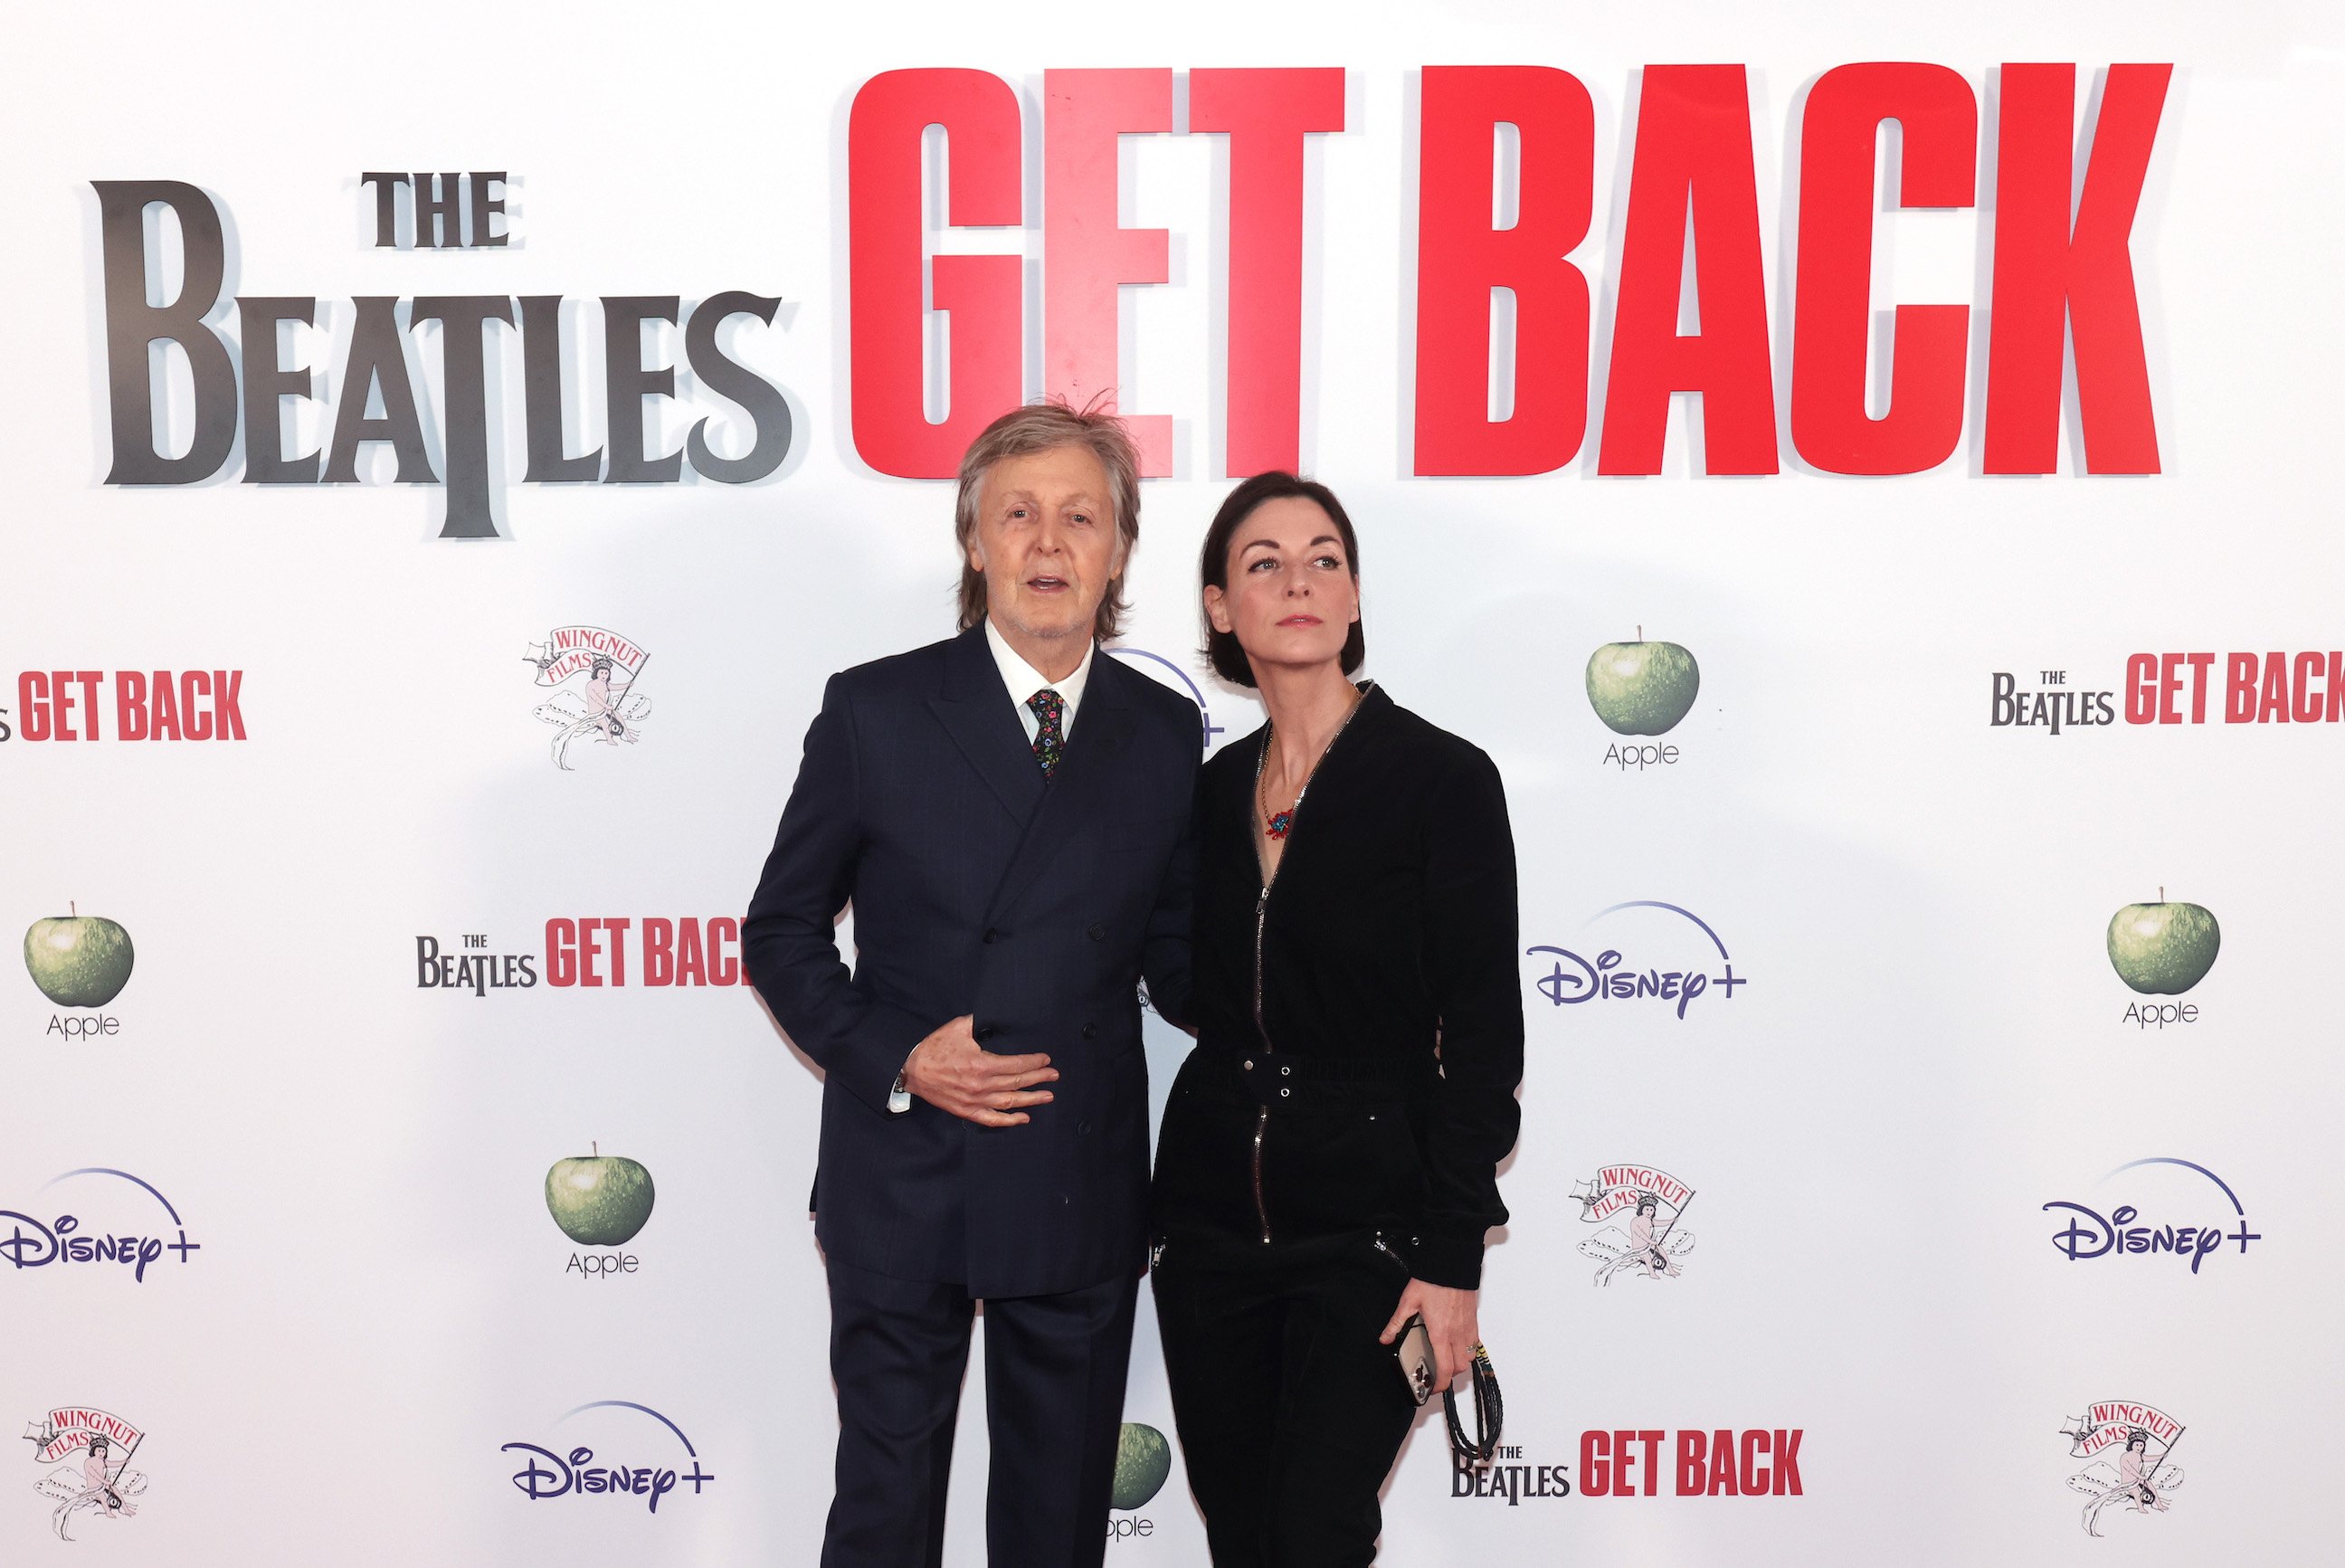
(1375, 1090)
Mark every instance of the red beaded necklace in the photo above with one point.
(1278, 824)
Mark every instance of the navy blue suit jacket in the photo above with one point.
(978, 888)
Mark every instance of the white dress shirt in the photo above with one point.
(1023, 681)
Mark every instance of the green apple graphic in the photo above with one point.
(599, 1200)
(1642, 687)
(1143, 1460)
(2163, 949)
(78, 960)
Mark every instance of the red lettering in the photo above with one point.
(1461, 259)
(2331, 714)
(1087, 257)
(589, 950)
(1623, 1463)
(724, 965)
(1724, 1482)
(2239, 699)
(2200, 663)
(978, 295)
(1692, 168)
(1693, 1472)
(1266, 114)
(561, 951)
(89, 680)
(692, 969)
(1938, 118)
(2170, 685)
(166, 706)
(659, 938)
(618, 929)
(228, 685)
(2304, 693)
(2049, 276)
(1786, 1462)
(2275, 703)
(1595, 1463)
(195, 684)
(130, 705)
(1754, 1474)
(1652, 1441)
(33, 700)
(62, 704)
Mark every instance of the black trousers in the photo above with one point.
(1290, 1411)
(1054, 1374)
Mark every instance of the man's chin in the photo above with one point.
(1049, 622)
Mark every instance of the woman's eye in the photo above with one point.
(1328, 563)
(1262, 563)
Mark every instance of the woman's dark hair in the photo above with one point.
(1221, 649)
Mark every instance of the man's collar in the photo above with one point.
(1024, 681)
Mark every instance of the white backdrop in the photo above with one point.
(1931, 1045)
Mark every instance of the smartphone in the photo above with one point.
(1414, 1353)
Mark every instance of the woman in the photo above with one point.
(1326, 1165)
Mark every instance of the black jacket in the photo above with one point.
(980, 889)
(1377, 1091)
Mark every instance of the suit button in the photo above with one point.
(1083, 1128)
(1091, 1031)
(1249, 1066)
(991, 934)
(1097, 933)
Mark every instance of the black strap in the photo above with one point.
(1489, 1412)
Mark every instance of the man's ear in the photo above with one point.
(1217, 607)
(976, 554)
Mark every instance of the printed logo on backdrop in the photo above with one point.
(124, 1237)
(1644, 1204)
(602, 705)
(2192, 1226)
(593, 951)
(1508, 1477)
(599, 1200)
(2128, 1445)
(1143, 1461)
(1641, 689)
(1664, 963)
(84, 1460)
(2163, 950)
(1156, 662)
(81, 963)
(646, 1470)
(65, 705)
(2276, 687)
(1721, 1462)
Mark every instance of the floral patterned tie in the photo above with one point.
(1049, 740)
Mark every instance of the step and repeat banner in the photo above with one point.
(1867, 480)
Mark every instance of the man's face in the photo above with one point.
(1046, 542)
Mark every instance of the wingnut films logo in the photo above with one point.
(2174, 1218)
(84, 1460)
(546, 1473)
(604, 707)
(2128, 1445)
(126, 1237)
(1672, 950)
(80, 962)
(2163, 950)
(599, 1200)
(1644, 1204)
(1640, 690)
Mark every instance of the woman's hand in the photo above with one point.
(1450, 1322)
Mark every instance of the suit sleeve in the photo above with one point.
(1471, 932)
(788, 940)
(1165, 954)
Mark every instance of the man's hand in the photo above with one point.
(1450, 1322)
(953, 1073)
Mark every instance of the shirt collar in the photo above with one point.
(1024, 681)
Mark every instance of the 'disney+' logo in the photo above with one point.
(125, 1235)
(546, 1473)
(1676, 961)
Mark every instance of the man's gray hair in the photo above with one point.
(1046, 427)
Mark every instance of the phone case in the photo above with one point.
(1414, 1352)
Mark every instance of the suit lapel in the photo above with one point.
(1087, 776)
(978, 712)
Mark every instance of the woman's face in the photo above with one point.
(1292, 598)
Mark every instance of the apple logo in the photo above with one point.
(2163, 949)
(599, 1200)
(1642, 687)
(78, 960)
(1142, 1461)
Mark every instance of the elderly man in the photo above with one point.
(1007, 813)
